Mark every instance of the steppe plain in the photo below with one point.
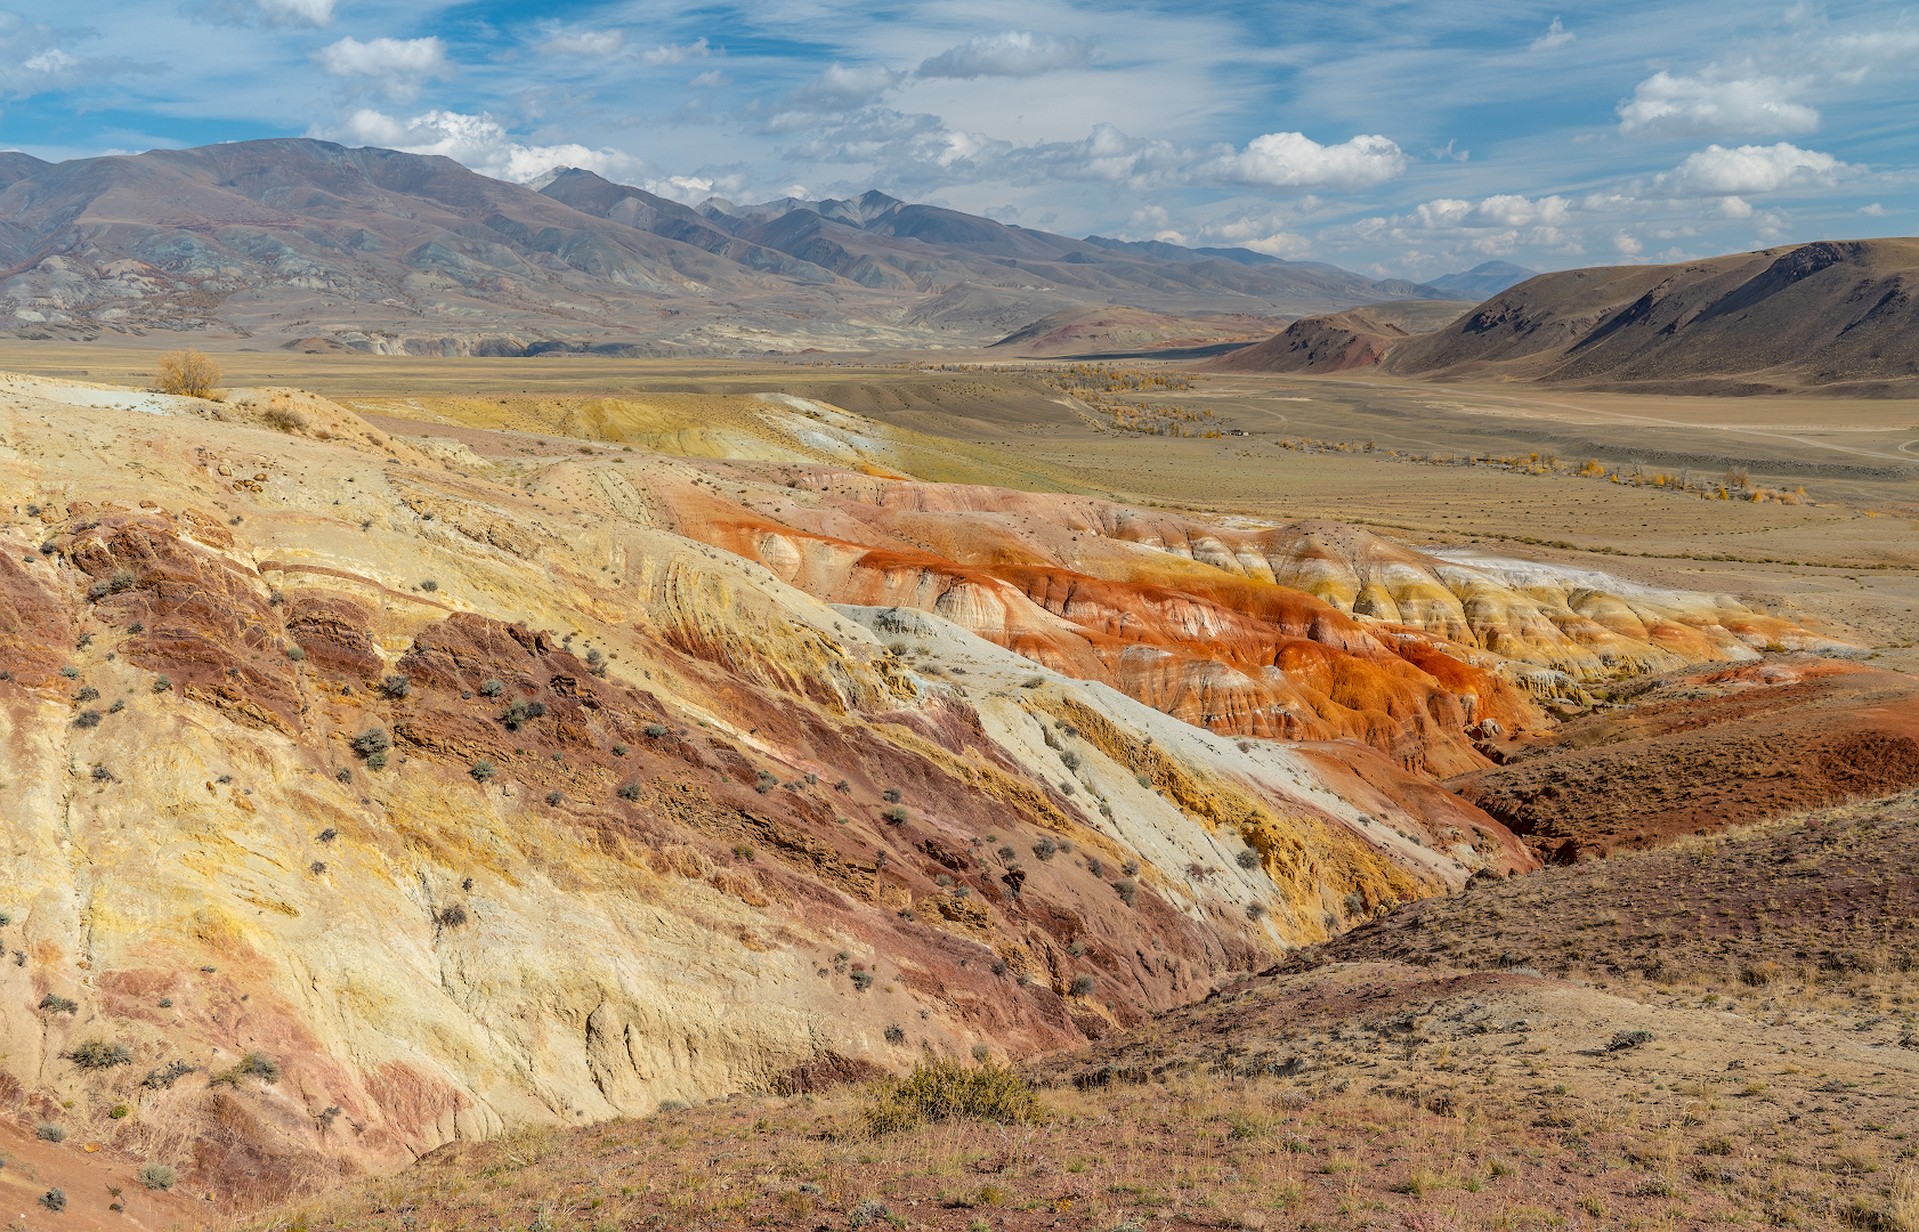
(1713, 1030)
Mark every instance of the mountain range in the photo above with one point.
(313, 244)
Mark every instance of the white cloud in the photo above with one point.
(1626, 244)
(297, 12)
(844, 88)
(582, 44)
(1717, 171)
(479, 142)
(1294, 160)
(711, 79)
(1556, 36)
(314, 13)
(400, 65)
(52, 61)
(675, 53)
(1664, 104)
(1874, 210)
(1011, 54)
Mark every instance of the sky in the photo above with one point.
(1397, 137)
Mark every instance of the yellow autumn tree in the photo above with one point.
(189, 373)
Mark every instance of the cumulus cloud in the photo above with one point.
(1717, 171)
(1013, 53)
(1556, 36)
(32, 61)
(1669, 105)
(844, 87)
(399, 65)
(1294, 160)
(480, 142)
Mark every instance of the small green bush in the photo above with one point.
(158, 1176)
(492, 688)
(395, 687)
(629, 791)
(948, 1090)
(372, 740)
(58, 1004)
(47, 1131)
(894, 816)
(1247, 858)
(1082, 986)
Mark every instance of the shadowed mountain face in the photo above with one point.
(305, 242)
(1836, 316)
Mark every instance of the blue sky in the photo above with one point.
(1406, 137)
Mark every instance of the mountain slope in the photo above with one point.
(1837, 316)
(1339, 341)
(1482, 281)
(309, 244)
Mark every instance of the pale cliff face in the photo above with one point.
(635, 839)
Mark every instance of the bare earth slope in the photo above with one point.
(1837, 316)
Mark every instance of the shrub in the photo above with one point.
(297, 653)
(164, 1077)
(58, 1004)
(372, 740)
(162, 684)
(482, 770)
(395, 687)
(1082, 986)
(766, 782)
(894, 816)
(521, 713)
(1045, 849)
(47, 1131)
(158, 1176)
(429, 586)
(554, 797)
(100, 1054)
(54, 1199)
(259, 1065)
(949, 1090)
(87, 718)
(655, 730)
(1127, 891)
(492, 688)
(1248, 859)
(629, 791)
(283, 419)
(896, 1034)
(862, 980)
(188, 373)
(1070, 760)
(891, 795)
(119, 1112)
(451, 917)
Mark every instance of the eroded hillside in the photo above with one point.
(370, 787)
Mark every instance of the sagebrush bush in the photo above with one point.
(99, 1054)
(158, 1176)
(948, 1090)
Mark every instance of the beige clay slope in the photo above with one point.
(651, 895)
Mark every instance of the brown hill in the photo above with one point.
(1336, 342)
(1837, 316)
(1112, 330)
